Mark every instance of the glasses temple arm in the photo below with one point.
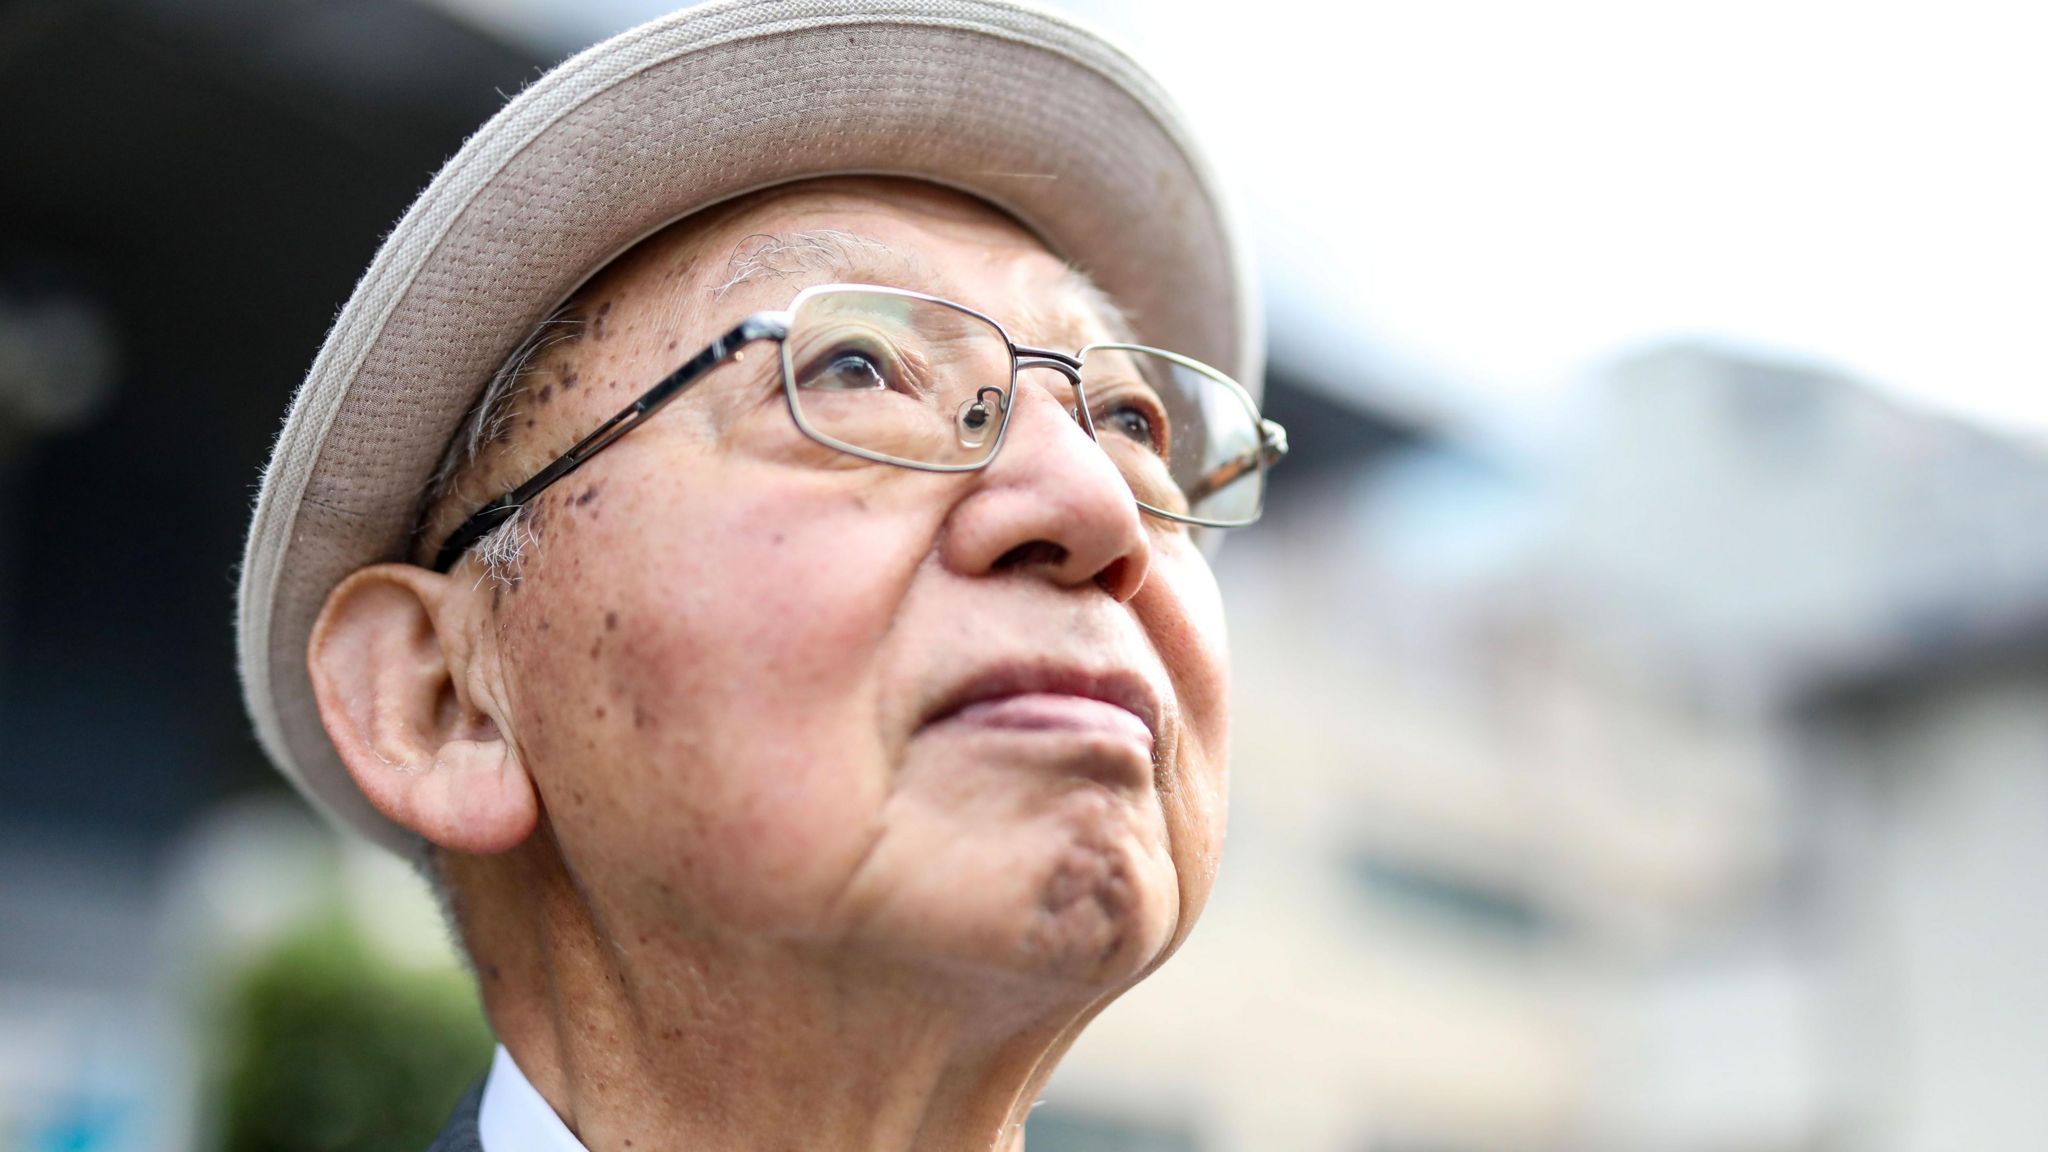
(1271, 450)
(761, 326)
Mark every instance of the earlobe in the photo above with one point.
(387, 673)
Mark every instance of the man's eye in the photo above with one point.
(1138, 422)
(848, 370)
(1132, 423)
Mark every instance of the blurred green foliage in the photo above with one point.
(331, 1047)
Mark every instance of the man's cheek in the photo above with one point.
(792, 594)
(1181, 610)
(756, 638)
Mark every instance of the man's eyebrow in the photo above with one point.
(823, 251)
(1114, 318)
(1076, 313)
(851, 257)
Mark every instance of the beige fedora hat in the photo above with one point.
(1027, 110)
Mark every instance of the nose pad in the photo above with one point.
(978, 416)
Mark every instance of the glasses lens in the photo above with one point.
(898, 376)
(1184, 435)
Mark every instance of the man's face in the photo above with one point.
(733, 660)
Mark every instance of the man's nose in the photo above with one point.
(1051, 502)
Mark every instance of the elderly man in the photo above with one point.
(735, 539)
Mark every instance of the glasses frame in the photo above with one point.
(775, 325)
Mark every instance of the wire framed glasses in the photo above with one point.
(902, 378)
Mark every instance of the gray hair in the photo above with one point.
(489, 422)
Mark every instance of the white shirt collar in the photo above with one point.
(513, 1117)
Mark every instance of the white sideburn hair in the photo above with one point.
(488, 422)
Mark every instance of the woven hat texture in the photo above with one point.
(1024, 109)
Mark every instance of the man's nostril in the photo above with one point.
(1111, 577)
(1035, 554)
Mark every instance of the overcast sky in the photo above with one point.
(1487, 199)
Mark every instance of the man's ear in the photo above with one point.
(415, 728)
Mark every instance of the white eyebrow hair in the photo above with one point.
(1114, 318)
(833, 251)
(827, 250)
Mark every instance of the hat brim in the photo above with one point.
(1031, 112)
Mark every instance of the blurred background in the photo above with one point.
(1642, 673)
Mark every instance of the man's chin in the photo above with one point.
(1092, 902)
(1091, 921)
(1005, 864)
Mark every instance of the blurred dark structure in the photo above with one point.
(210, 177)
(189, 192)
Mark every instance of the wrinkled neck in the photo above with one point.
(660, 1040)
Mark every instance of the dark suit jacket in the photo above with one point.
(460, 1134)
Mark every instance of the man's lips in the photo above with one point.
(1054, 698)
(1055, 712)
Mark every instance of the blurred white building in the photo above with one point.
(1664, 776)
